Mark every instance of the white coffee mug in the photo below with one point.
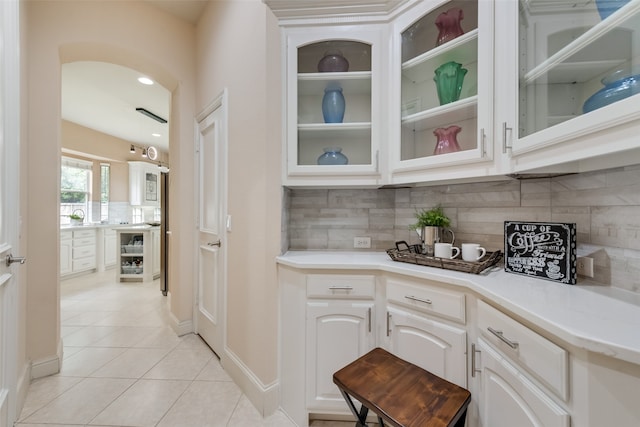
(445, 250)
(472, 251)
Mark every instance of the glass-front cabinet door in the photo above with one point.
(444, 52)
(333, 106)
(574, 95)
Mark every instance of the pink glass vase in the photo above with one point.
(447, 142)
(448, 24)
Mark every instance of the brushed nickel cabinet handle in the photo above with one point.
(513, 344)
(412, 298)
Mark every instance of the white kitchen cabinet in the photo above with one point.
(135, 253)
(415, 332)
(83, 250)
(66, 245)
(308, 131)
(109, 247)
(550, 59)
(155, 238)
(340, 328)
(415, 61)
(508, 398)
(144, 184)
(522, 374)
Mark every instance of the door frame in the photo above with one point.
(13, 377)
(219, 102)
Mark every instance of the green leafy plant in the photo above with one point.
(433, 217)
(76, 217)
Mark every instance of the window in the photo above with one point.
(75, 188)
(105, 175)
(137, 216)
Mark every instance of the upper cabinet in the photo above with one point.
(570, 75)
(144, 184)
(447, 90)
(441, 86)
(333, 109)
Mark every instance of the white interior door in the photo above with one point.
(210, 299)
(9, 206)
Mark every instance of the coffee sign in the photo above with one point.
(544, 250)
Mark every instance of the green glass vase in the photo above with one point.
(449, 78)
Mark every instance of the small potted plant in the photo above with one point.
(77, 217)
(431, 225)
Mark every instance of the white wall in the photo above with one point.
(238, 48)
(132, 34)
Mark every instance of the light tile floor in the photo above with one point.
(124, 366)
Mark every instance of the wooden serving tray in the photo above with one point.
(411, 255)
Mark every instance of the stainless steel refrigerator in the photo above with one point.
(164, 228)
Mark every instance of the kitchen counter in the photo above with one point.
(114, 226)
(589, 316)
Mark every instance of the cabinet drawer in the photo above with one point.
(340, 286)
(84, 264)
(85, 241)
(83, 251)
(66, 235)
(546, 361)
(81, 234)
(427, 299)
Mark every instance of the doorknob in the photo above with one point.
(218, 244)
(10, 259)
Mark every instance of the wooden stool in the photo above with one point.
(400, 393)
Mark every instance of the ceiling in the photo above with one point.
(104, 96)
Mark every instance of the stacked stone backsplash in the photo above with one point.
(605, 205)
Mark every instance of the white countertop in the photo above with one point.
(596, 318)
(114, 226)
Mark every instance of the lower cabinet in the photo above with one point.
(508, 398)
(66, 246)
(109, 247)
(437, 347)
(338, 332)
(523, 376)
(339, 329)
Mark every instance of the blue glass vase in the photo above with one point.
(333, 105)
(617, 86)
(333, 156)
(607, 7)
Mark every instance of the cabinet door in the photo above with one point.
(65, 256)
(432, 345)
(328, 70)
(443, 88)
(337, 334)
(508, 398)
(144, 184)
(110, 244)
(155, 239)
(569, 78)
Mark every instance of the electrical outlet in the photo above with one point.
(362, 242)
(584, 266)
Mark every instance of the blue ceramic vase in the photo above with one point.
(333, 105)
(617, 86)
(333, 156)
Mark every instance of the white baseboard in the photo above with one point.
(266, 398)
(48, 365)
(181, 327)
(22, 387)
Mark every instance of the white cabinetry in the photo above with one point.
(522, 374)
(562, 50)
(109, 245)
(415, 335)
(467, 118)
(66, 245)
(340, 328)
(308, 130)
(84, 250)
(135, 252)
(144, 184)
(155, 239)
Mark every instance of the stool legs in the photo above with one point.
(361, 416)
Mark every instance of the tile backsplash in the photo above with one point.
(605, 205)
